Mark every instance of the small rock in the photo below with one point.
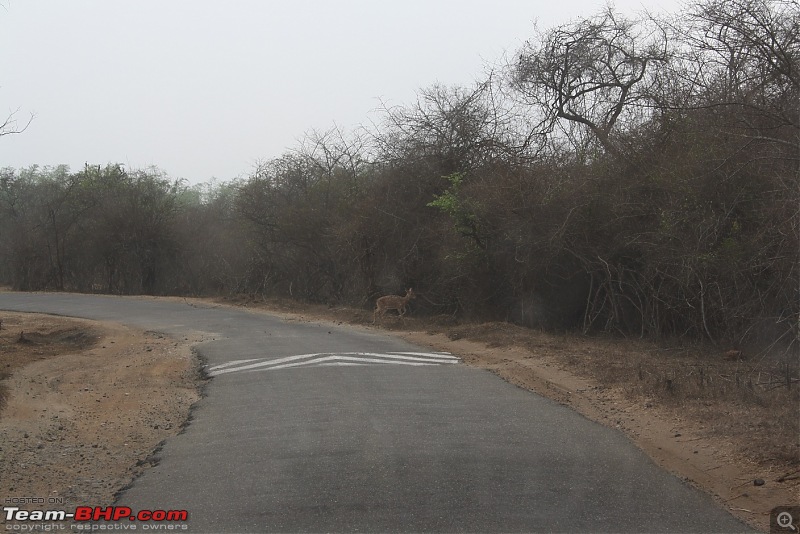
(677, 435)
(758, 482)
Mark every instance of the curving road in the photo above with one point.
(309, 428)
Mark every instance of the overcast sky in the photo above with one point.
(205, 88)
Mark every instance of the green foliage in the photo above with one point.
(461, 211)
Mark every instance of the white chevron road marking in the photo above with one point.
(234, 362)
(324, 359)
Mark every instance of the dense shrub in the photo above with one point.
(656, 194)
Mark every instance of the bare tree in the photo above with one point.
(745, 54)
(591, 72)
(460, 128)
(11, 126)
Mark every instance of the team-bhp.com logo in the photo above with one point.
(95, 514)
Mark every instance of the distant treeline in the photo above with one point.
(633, 175)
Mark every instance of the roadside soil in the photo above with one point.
(87, 404)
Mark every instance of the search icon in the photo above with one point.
(785, 520)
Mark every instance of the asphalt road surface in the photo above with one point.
(307, 427)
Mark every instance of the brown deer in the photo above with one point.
(392, 302)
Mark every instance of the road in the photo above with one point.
(307, 427)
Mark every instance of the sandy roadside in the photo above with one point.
(80, 423)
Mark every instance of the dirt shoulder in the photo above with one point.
(721, 424)
(86, 404)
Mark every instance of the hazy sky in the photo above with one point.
(206, 88)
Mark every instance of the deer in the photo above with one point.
(392, 302)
